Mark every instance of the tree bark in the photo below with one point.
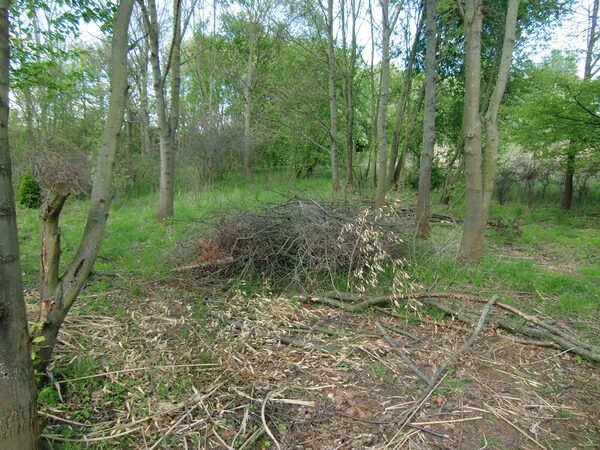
(335, 173)
(567, 198)
(18, 424)
(61, 297)
(480, 179)
(423, 199)
(401, 105)
(384, 90)
(491, 118)
(471, 246)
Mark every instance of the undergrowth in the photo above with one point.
(539, 258)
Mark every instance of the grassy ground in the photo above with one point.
(540, 258)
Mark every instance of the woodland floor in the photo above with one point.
(157, 361)
(182, 380)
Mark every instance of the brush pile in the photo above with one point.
(303, 239)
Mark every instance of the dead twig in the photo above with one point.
(401, 354)
(442, 369)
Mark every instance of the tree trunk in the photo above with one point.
(471, 245)
(335, 173)
(402, 101)
(480, 180)
(423, 199)
(18, 422)
(56, 299)
(248, 92)
(590, 59)
(167, 161)
(349, 91)
(567, 198)
(384, 89)
(491, 118)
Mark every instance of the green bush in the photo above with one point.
(29, 193)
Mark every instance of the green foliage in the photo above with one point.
(29, 193)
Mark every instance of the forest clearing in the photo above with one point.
(153, 355)
(252, 224)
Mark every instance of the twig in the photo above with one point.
(499, 415)
(60, 419)
(400, 353)
(402, 332)
(137, 369)
(53, 437)
(264, 420)
(170, 430)
(484, 313)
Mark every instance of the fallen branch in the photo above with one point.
(400, 353)
(559, 341)
(205, 265)
(545, 334)
(283, 339)
(407, 415)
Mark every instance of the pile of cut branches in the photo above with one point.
(302, 239)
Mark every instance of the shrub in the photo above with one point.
(29, 193)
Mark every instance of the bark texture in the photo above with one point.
(384, 92)
(423, 199)
(59, 298)
(18, 424)
(167, 125)
(335, 171)
(401, 105)
(480, 171)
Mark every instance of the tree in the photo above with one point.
(331, 79)
(58, 293)
(168, 121)
(397, 163)
(18, 424)
(388, 22)
(423, 200)
(480, 170)
(350, 59)
(555, 117)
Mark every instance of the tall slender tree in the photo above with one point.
(423, 199)
(388, 23)
(18, 426)
(331, 79)
(480, 170)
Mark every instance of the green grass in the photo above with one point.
(138, 245)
